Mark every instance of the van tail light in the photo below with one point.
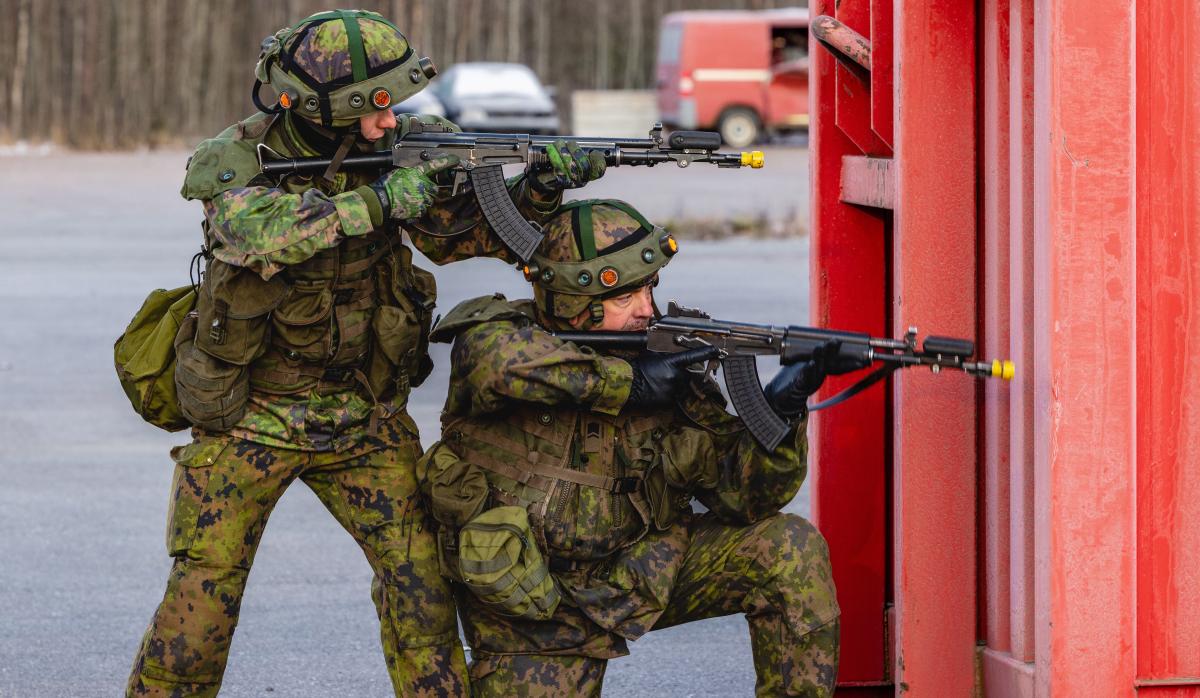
(686, 85)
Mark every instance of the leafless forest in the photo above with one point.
(124, 73)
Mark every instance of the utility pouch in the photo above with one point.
(144, 356)
(212, 392)
(500, 563)
(400, 328)
(233, 310)
(456, 489)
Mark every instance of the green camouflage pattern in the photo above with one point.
(226, 485)
(324, 52)
(410, 191)
(268, 229)
(640, 561)
(775, 572)
(610, 227)
(567, 166)
(225, 489)
(313, 421)
(503, 364)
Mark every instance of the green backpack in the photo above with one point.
(501, 564)
(145, 357)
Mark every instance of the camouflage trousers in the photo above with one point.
(776, 572)
(223, 492)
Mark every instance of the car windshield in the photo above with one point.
(479, 81)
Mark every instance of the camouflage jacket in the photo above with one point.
(605, 487)
(325, 266)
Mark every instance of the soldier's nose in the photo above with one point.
(645, 306)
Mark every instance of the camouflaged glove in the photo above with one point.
(566, 166)
(658, 378)
(406, 192)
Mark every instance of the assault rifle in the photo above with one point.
(740, 342)
(483, 154)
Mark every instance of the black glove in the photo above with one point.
(788, 392)
(657, 378)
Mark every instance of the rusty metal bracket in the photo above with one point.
(850, 48)
(868, 182)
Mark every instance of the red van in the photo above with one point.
(743, 73)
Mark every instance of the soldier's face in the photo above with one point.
(629, 312)
(375, 125)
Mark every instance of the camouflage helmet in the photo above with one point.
(337, 66)
(594, 249)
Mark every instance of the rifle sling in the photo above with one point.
(871, 379)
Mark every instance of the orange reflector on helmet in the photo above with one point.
(381, 98)
(609, 277)
(286, 100)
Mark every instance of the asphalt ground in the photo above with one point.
(84, 482)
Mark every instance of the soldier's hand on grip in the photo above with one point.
(658, 378)
(788, 392)
(566, 166)
(406, 192)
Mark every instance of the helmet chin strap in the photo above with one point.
(596, 309)
(323, 139)
(257, 99)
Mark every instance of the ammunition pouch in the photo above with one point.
(399, 357)
(232, 312)
(212, 392)
(457, 491)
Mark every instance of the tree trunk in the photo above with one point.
(16, 98)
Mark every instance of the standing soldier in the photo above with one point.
(310, 329)
(564, 478)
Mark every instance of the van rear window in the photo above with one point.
(669, 42)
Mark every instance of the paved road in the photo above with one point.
(83, 482)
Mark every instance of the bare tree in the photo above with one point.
(16, 99)
(119, 73)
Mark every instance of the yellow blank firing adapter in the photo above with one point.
(1003, 369)
(754, 159)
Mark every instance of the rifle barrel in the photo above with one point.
(605, 340)
(286, 166)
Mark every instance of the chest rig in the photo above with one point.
(354, 316)
(581, 476)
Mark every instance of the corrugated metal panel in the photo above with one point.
(850, 495)
(1168, 319)
(933, 287)
(1088, 116)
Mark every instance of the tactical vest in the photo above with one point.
(592, 483)
(354, 316)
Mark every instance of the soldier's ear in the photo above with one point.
(579, 320)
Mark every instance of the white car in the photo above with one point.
(503, 97)
(424, 102)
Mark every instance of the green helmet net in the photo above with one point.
(335, 67)
(594, 249)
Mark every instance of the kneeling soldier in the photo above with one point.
(564, 478)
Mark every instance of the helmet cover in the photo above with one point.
(335, 67)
